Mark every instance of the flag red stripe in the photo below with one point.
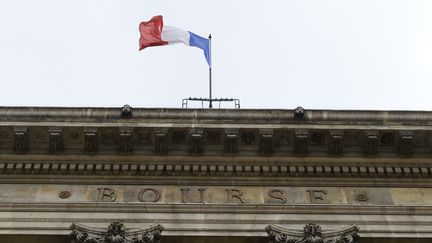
(151, 33)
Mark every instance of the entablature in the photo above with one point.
(331, 142)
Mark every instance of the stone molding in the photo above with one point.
(312, 233)
(219, 170)
(105, 131)
(267, 115)
(267, 142)
(305, 209)
(116, 233)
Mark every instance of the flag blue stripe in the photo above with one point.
(202, 43)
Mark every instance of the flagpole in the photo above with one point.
(210, 75)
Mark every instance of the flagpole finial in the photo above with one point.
(210, 36)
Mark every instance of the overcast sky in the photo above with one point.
(321, 54)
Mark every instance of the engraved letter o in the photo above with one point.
(154, 198)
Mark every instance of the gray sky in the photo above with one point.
(332, 54)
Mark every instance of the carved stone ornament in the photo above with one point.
(160, 137)
(336, 142)
(266, 142)
(55, 140)
(126, 141)
(91, 140)
(116, 233)
(312, 233)
(370, 143)
(299, 113)
(21, 139)
(231, 141)
(126, 111)
(196, 141)
(406, 143)
(301, 141)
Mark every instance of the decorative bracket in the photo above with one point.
(21, 139)
(312, 233)
(196, 141)
(55, 140)
(161, 145)
(231, 141)
(370, 144)
(301, 141)
(91, 140)
(406, 143)
(126, 141)
(266, 141)
(336, 142)
(116, 233)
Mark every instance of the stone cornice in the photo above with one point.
(187, 134)
(226, 115)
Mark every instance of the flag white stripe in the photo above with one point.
(175, 35)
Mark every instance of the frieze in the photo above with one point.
(267, 142)
(223, 195)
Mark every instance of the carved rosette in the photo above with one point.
(312, 233)
(116, 233)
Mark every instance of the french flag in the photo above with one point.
(155, 33)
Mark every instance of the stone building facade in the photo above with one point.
(111, 175)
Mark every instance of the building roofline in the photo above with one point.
(12, 113)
